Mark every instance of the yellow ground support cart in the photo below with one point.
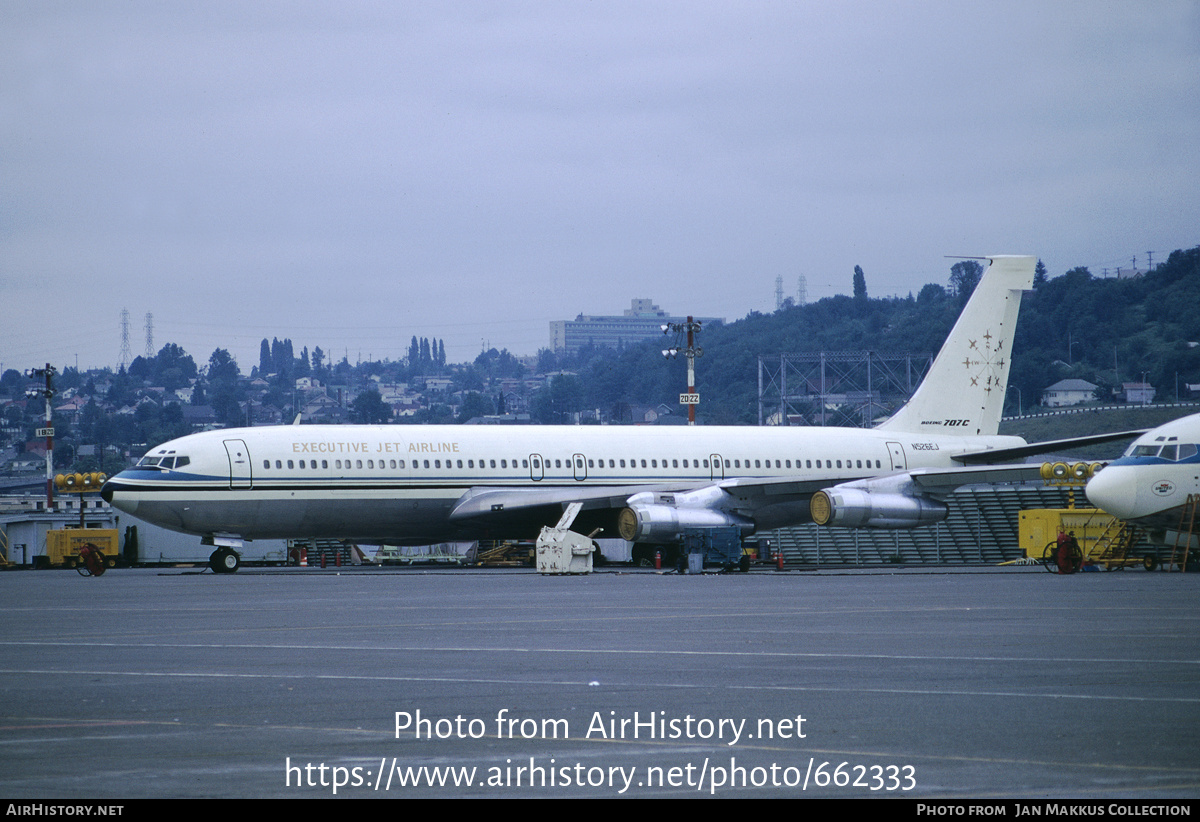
(1103, 539)
(62, 547)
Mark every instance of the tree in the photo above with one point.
(860, 284)
(264, 359)
(368, 408)
(474, 405)
(222, 368)
(1039, 274)
(964, 276)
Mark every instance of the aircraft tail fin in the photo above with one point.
(963, 393)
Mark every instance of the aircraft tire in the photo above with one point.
(224, 561)
(744, 564)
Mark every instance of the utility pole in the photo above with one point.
(691, 399)
(46, 373)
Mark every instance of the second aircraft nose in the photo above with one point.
(1112, 490)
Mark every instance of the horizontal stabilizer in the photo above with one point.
(1048, 447)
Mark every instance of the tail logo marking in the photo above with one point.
(990, 361)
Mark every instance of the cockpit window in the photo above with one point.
(149, 462)
(1171, 451)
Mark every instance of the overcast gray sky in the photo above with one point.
(351, 174)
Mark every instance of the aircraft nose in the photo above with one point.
(1112, 491)
(112, 490)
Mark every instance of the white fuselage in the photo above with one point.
(400, 483)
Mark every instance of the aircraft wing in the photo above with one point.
(927, 480)
(659, 512)
(944, 481)
(485, 501)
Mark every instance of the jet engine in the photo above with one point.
(660, 518)
(891, 502)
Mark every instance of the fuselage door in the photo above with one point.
(239, 463)
(896, 450)
(537, 467)
(580, 463)
(717, 470)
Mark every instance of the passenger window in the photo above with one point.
(401, 463)
(291, 464)
(324, 463)
(278, 464)
(266, 463)
(653, 463)
(503, 463)
(493, 463)
(622, 463)
(358, 463)
(859, 463)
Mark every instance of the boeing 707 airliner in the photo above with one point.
(421, 484)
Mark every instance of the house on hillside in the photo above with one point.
(1068, 392)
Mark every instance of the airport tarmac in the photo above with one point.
(918, 683)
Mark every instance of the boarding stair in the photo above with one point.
(1112, 547)
(1183, 536)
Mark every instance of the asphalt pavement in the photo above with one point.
(301, 683)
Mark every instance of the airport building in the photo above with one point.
(643, 320)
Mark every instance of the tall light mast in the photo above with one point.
(48, 431)
(692, 327)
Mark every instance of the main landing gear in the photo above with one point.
(224, 561)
